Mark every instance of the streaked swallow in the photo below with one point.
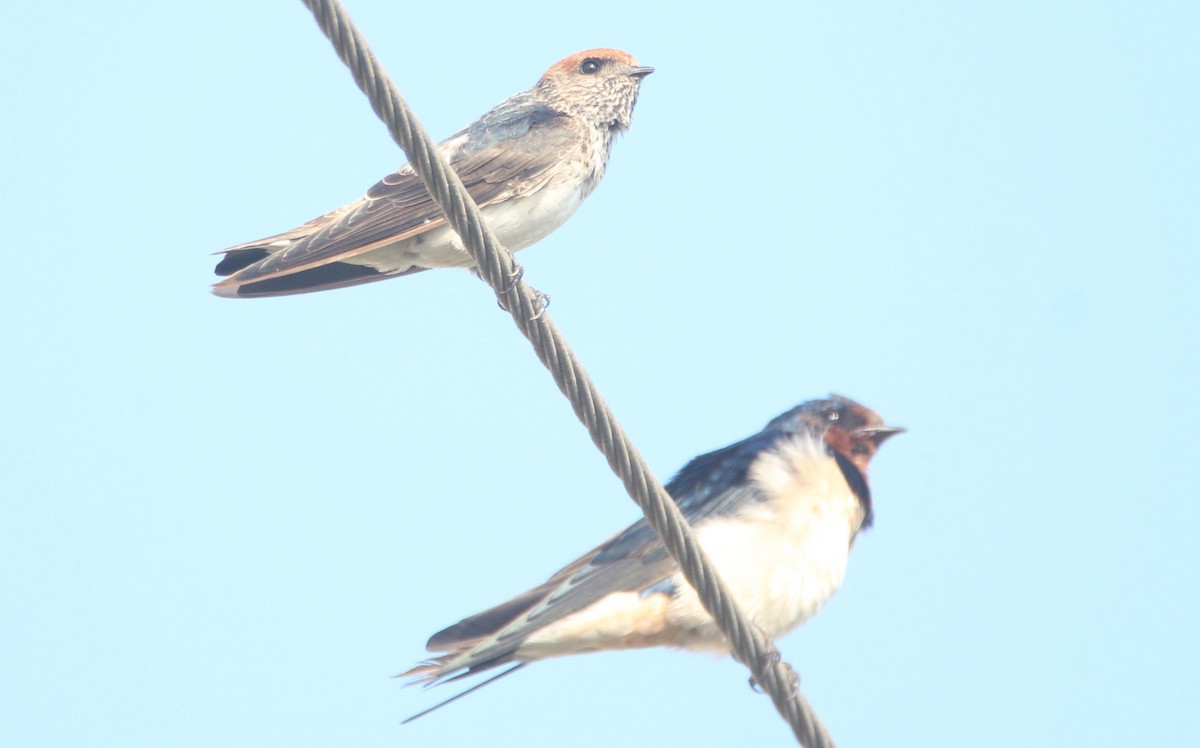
(528, 164)
(776, 513)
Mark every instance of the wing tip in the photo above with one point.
(320, 278)
(236, 259)
(426, 673)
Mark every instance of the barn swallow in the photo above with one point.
(776, 513)
(528, 164)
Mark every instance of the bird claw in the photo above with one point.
(543, 302)
(770, 659)
(514, 278)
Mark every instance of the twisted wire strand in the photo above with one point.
(497, 267)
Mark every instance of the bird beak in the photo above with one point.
(640, 72)
(879, 434)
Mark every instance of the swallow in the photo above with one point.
(776, 513)
(528, 163)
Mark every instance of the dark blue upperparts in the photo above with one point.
(512, 119)
(711, 484)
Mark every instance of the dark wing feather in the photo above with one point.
(712, 484)
(572, 588)
(486, 623)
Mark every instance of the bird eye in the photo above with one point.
(834, 415)
(590, 66)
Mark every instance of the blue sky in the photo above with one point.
(228, 523)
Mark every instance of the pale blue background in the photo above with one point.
(228, 523)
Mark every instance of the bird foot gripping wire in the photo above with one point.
(514, 278)
(770, 659)
(541, 300)
(543, 303)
